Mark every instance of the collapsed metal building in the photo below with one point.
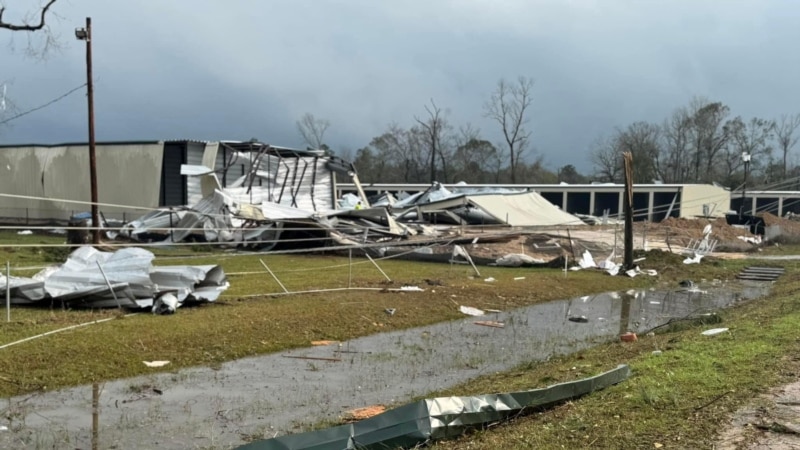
(653, 202)
(51, 182)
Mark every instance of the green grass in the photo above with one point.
(247, 321)
(680, 398)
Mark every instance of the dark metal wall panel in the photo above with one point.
(579, 202)
(736, 203)
(641, 202)
(173, 184)
(556, 198)
(767, 204)
(791, 205)
(661, 205)
(606, 200)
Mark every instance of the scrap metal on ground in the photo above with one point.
(126, 278)
(414, 424)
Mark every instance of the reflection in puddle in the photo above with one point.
(259, 397)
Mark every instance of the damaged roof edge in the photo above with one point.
(74, 144)
(233, 143)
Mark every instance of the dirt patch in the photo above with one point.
(672, 234)
(681, 231)
(788, 226)
(772, 422)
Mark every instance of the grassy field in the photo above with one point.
(678, 398)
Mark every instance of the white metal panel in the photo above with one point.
(57, 179)
(526, 209)
(717, 200)
(194, 157)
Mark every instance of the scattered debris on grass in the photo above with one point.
(490, 323)
(362, 413)
(155, 363)
(714, 331)
(629, 337)
(470, 311)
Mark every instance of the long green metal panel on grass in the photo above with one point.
(438, 418)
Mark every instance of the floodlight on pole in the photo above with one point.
(746, 159)
(85, 34)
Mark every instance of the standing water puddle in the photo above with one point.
(263, 396)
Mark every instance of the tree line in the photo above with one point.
(433, 148)
(699, 143)
(702, 143)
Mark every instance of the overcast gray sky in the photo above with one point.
(250, 68)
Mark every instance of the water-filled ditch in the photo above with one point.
(263, 396)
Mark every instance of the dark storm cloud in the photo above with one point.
(236, 70)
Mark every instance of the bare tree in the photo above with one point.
(674, 160)
(710, 136)
(642, 140)
(508, 106)
(26, 24)
(397, 155)
(30, 22)
(569, 174)
(751, 137)
(435, 129)
(312, 130)
(474, 160)
(606, 158)
(785, 130)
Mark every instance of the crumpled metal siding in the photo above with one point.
(417, 423)
(302, 182)
(194, 193)
(130, 281)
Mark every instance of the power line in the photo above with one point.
(25, 113)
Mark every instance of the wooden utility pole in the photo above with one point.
(627, 159)
(85, 34)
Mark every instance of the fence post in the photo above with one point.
(8, 291)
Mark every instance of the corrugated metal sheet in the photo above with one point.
(127, 174)
(526, 209)
(299, 179)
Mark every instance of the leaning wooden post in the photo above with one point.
(627, 158)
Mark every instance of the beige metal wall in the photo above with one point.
(128, 174)
(694, 196)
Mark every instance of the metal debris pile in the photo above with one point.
(126, 278)
(256, 217)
